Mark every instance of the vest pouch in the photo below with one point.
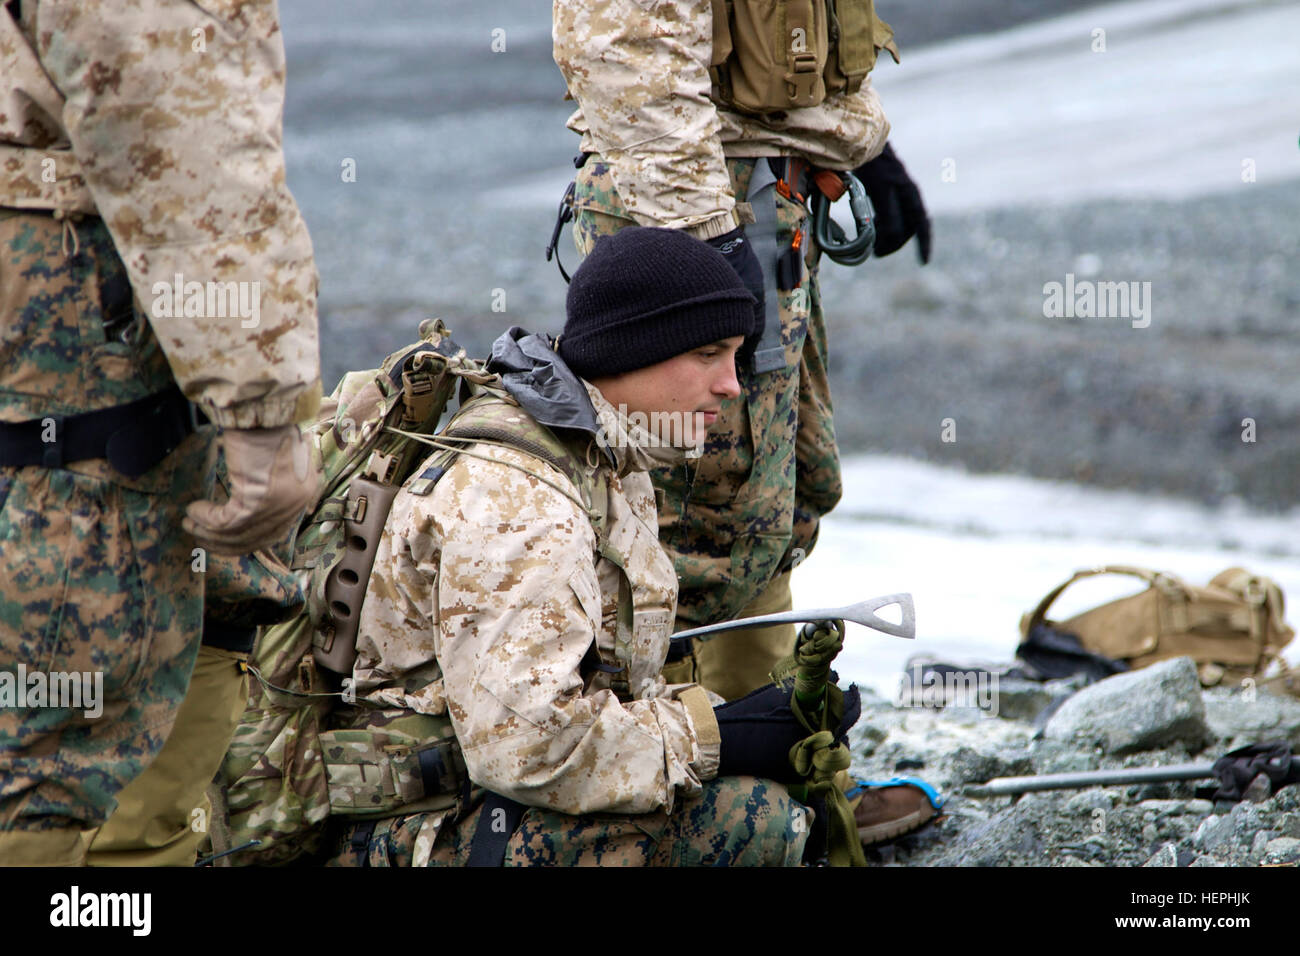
(371, 773)
(856, 34)
(779, 50)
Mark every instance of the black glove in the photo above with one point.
(739, 253)
(759, 729)
(900, 213)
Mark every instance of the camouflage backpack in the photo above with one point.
(290, 765)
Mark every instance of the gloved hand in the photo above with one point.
(272, 481)
(739, 253)
(900, 213)
(759, 730)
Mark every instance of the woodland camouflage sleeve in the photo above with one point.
(174, 113)
(519, 606)
(639, 71)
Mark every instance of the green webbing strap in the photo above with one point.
(819, 705)
(817, 647)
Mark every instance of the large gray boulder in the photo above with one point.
(1154, 707)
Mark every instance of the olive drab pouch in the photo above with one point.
(774, 55)
(374, 772)
(856, 36)
(1233, 627)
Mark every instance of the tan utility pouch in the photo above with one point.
(1232, 628)
(372, 773)
(777, 53)
(773, 55)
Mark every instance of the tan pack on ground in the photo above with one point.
(1233, 627)
(774, 55)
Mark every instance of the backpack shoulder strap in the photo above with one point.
(493, 419)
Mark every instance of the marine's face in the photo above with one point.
(679, 398)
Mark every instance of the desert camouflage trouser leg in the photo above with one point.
(97, 589)
(733, 821)
(749, 510)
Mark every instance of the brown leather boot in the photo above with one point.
(887, 809)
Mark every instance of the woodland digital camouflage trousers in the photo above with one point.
(734, 821)
(749, 509)
(96, 575)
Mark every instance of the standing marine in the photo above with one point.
(715, 118)
(152, 262)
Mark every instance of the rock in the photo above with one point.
(1258, 844)
(967, 765)
(1260, 789)
(1283, 850)
(1167, 855)
(1142, 710)
(1287, 799)
(1049, 756)
(1023, 699)
(1247, 820)
(1090, 800)
(1213, 832)
(1163, 807)
(1237, 719)
(1152, 792)
(1008, 838)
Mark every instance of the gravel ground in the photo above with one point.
(1091, 400)
(1149, 824)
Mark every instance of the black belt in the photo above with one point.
(133, 437)
(228, 637)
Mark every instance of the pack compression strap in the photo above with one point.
(497, 822)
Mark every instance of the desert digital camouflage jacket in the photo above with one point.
(639, 70)
(486, 596)
(164, 118)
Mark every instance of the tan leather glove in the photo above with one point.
(273, 479)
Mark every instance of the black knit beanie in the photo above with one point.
(644, 295)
